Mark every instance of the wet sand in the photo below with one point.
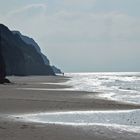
(30, 95)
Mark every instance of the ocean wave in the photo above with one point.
(120, 84)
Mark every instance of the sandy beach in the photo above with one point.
(39, 94)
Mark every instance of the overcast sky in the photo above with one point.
(80, 35)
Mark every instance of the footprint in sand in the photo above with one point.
(2, 127)
(24, 126)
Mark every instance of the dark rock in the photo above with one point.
(2, 63)
(31, 42)
(57, 70)
(20, 58)
(3, 81)
(7, 81)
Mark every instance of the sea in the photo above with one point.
(119, 86)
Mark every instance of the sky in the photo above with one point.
(80, 35)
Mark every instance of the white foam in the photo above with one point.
(116, 86)
(126, 120)
(43, 89)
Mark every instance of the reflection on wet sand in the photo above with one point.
(128, 120)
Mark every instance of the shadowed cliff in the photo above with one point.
(20, 58)
(2, 64)
(31, 41)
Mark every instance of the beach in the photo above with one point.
(38, 94)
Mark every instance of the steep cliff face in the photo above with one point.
(21, 58)
(31, 42)
(2, 64)
(56, 70)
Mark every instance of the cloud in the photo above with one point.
(26, 9)
(67, 35)
(91, 27)
(29, 19)
(78, 2)
(110, 40)
(75, 26)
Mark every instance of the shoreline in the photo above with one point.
(16, 101)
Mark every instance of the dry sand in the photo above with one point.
(14, 99)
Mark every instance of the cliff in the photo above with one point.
(21, 58)
(2, 64)
(56, 70)
(31, 41)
